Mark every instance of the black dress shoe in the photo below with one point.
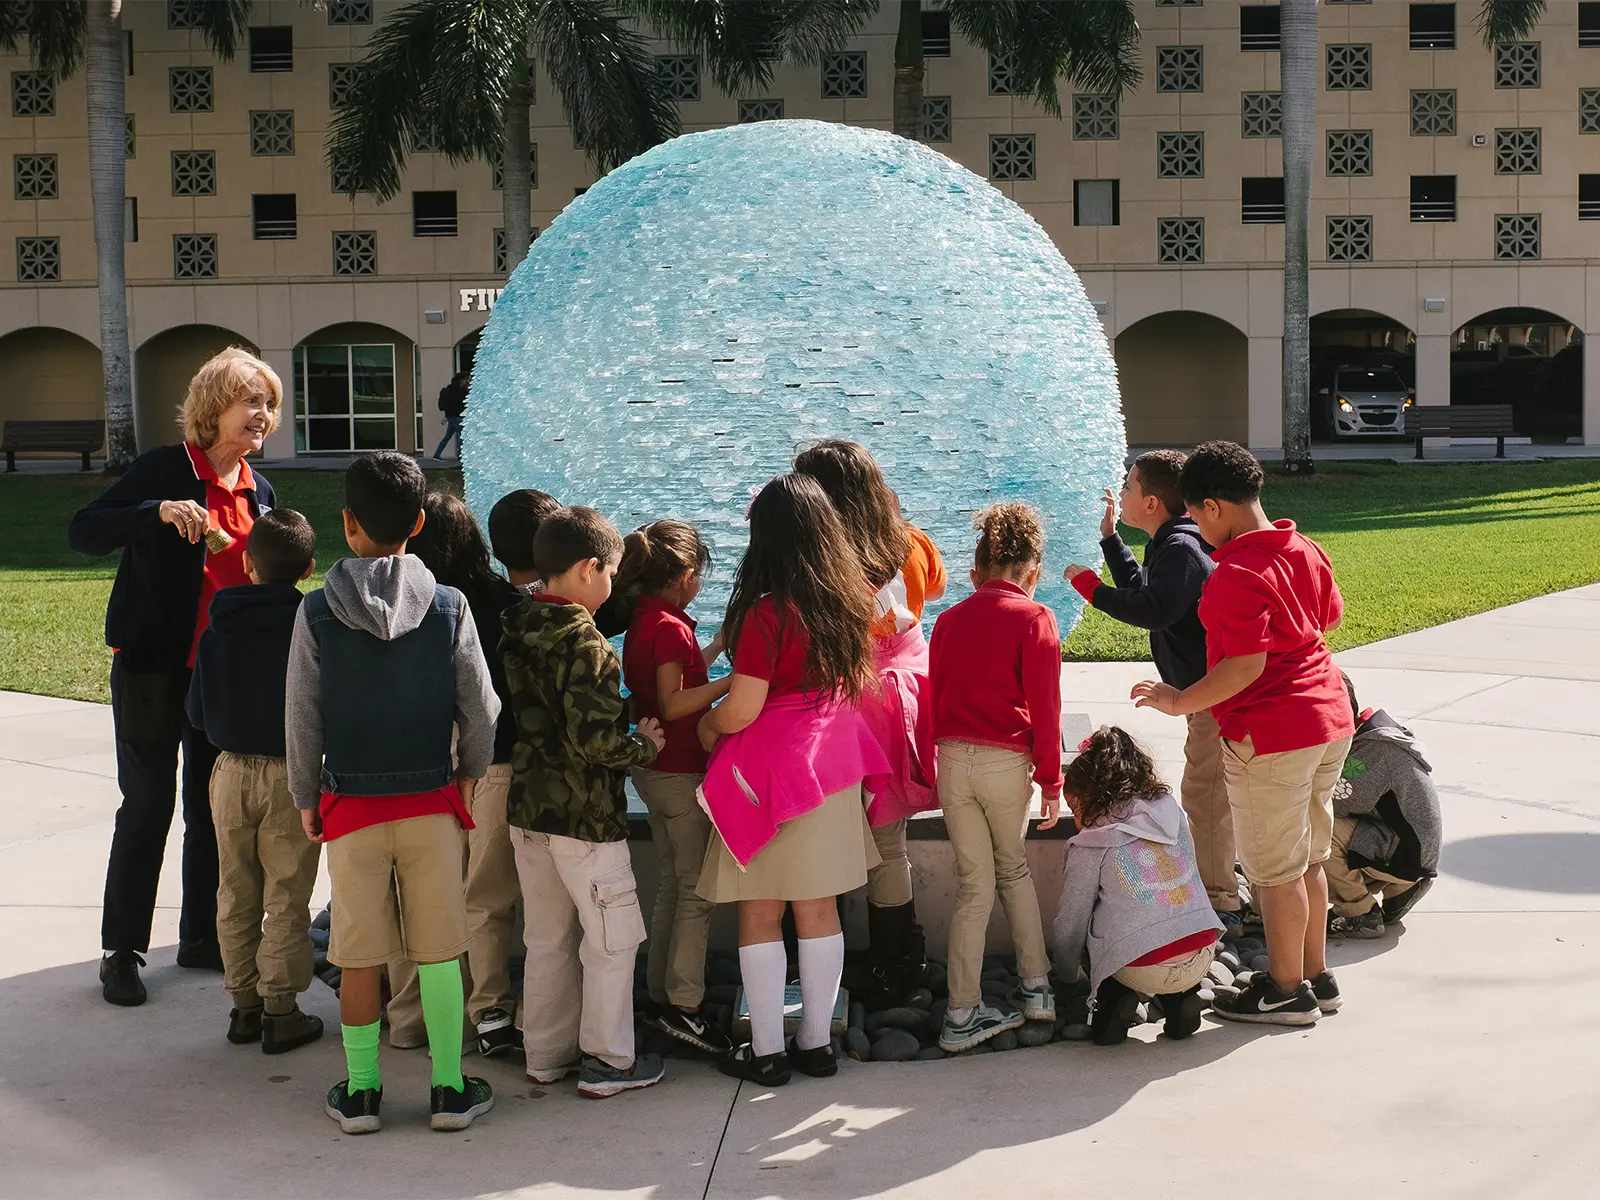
(818, 1063)
(200, 955)
(742, 1062)
(119, 979)
(244, 1025)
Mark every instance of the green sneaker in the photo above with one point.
(985, 1022)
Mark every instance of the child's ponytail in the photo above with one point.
(655, 556)
(1109, 772)
(1009, 535)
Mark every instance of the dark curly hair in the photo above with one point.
(1108, 774)
(1010, 535)
(862, 497)
(1221, 471)
(801, 556)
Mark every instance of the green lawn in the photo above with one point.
(1413, 547)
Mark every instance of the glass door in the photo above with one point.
(344, 398)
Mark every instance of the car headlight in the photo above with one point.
(1410, 396)
(1344, 405)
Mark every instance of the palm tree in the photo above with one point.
(61, 35)
(455, 74)
(1498, 21)
(1094, 46)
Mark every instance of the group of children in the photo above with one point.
(459, 740)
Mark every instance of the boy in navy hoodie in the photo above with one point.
(266, 865)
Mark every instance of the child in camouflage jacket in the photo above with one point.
(569, 816)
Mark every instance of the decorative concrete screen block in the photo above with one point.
(675, 335)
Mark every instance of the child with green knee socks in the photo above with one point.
(385, 665)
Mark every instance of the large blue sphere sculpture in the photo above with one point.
(729, 297)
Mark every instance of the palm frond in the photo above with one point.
(605, 73)
(224, 24)
(53, 32)
(1502, 21)
(439, 69)
(743, 40)
(1091, 44)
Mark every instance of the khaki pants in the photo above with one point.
(1205, 802)
(1171, 977)
(582, 924)
(1282, 808)
(1354, 890)
(681, 922)
(889, 883)
(266, 868)
(985, 791)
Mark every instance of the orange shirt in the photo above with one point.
(900, 602)
(229, 510)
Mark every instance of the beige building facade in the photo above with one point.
(1455, 227)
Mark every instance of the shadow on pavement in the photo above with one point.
(1567, 863)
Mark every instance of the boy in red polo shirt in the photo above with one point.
(1273, 688)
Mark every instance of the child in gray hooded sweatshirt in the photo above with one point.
(1131, 897)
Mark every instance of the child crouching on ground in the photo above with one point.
(1131, 895)
(569, 814)
(995, 676)
(267, 867)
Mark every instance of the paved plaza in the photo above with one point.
(1463, 1064)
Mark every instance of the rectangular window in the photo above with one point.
(936, 33)
(433, 214)
(1096, 201)
(1589, 24)
(1261, 200)
(272, 48)
(1433, 197)
(1433, 26)
(272, 218)
(1589, 197)
(344, 398)
(1258, 27)
(127, 52)
(130, 219)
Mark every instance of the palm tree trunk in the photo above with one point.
(1298, 66)
(107, 166)
(908, 71)
(517, 194)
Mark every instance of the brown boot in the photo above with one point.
(282, 1033)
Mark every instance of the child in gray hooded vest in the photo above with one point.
(1131, 896)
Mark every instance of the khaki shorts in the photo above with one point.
(1282, 807)
(398, 893)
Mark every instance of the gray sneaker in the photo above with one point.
(1365, 927)
(598, 1079)
(1035, 1004)
(984, 1023)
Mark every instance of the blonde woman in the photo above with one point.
(180, 517)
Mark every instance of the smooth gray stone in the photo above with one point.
(937, 978)
(1220, 974)
(936, 1012)
(858, 1015)
(1230, 960)
(857, 1045)
(1249, 947)
(931, 1054)
(1004, 1041)
(913, 1020)
(1075, 1033)
(1035, 1033)
(1259, 963)
(896, 1045)
(921, 998)
(994, 987)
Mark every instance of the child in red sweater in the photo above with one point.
(1286, 725)
(996, 683)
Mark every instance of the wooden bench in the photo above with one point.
(1461, 420)
(73, 437)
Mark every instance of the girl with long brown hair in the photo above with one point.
(789, 756)
(906, 572)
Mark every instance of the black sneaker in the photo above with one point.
(281, 1034)
(1182, 1013)
(1365, 927)
(497, 1033)
(1114, 1011)
(1394, 909)
(244, 1025)
(1263, 1002)
(692, 1027)
(1326, 989)
(818, 1063)
(356, 1112)
(454, 1109)
(119, 979)
(598, 1079)
(200, 955)
(742, 1062)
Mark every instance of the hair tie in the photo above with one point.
(752, 491)
(1083, 746)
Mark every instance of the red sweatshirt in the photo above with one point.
(996, 677)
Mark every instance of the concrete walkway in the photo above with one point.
(1463, 1064)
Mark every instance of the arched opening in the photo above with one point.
(1184, 378)
(50, 375)
(1363, 374)
(162, 368)
(355, 389)
(1528, 358)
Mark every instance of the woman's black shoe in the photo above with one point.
(818, 1063)
(200, 955)
(742, 1062)
(1114, 1006)
(1182, 1012)
(119, 979)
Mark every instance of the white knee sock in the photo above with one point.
(763, 967)
(821, 965)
